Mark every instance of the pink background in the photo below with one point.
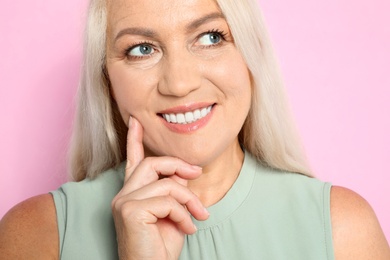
(335, 56)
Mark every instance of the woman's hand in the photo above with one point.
(151, 212)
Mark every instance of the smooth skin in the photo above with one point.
(182, 67)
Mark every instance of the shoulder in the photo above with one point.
(30, 230)
(109, 180)
(356, 230)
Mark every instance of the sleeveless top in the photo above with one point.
(267, 214)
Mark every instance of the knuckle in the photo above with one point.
(170, 201)
(167, 185)
(122, 208)
(148, 160)
(116, 203)
(126, 209)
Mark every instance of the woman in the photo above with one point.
(188, 92)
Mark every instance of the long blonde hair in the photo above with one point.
(99, 136)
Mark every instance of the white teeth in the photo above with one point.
(203, 112)
(181, 119)
(197, 114)
(188, 117)
(172, 118)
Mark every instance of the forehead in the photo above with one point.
(152, 13)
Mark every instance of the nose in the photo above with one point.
(180, 74)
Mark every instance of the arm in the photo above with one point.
(29, 230)
(356, 230)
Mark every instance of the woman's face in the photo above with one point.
(173, 65)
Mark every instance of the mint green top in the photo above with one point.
(267, 214)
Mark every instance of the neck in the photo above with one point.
(219, 176)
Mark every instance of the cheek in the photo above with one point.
(239, 73)
(232, 77)
(130, 90)
(239, 91)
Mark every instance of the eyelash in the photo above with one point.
(128, 49)
(221, 33)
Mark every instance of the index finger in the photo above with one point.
(134, 146)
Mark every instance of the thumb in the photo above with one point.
(134, 146)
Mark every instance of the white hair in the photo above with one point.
(269, 133)
(99, 136)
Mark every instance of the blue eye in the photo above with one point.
(210, 38)
(141, 50)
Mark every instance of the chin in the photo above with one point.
(201, 155)
(196, 158)
(193, 155)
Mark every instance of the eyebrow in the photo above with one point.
(198, 22)
(136, 31)
(152, 34)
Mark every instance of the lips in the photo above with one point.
(187, 117)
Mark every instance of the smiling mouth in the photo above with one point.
(187, 117)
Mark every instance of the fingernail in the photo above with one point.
(196, 167)
(206, 211)
(196, 229)
(130, 118)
